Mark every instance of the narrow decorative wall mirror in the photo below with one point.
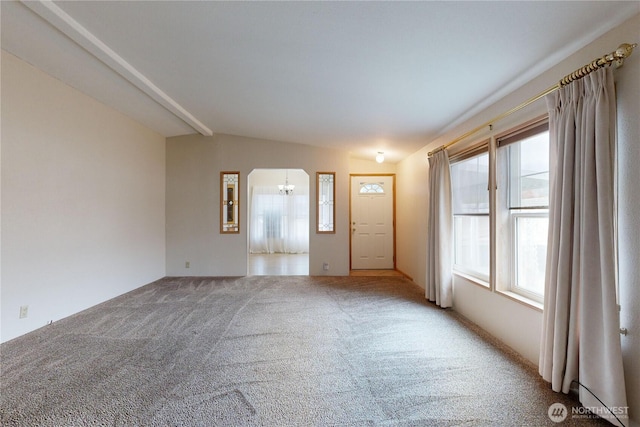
(325, 197)
(229, 202)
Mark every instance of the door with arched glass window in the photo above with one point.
(372, 222)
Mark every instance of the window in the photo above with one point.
(371, 188)
(523, 211)
(325, 195)
(469, 181)
(505, 249)
(279, 223)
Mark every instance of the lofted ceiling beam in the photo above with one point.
(57, 17)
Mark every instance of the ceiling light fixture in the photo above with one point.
(380, 157)
(286, 189)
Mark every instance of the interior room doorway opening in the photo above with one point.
(278, 222)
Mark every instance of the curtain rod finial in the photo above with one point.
(625, 49)
(621, 53)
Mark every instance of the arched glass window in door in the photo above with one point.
(371, 188)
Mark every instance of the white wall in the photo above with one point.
(515, 324)
(83, 194)
(412, 194)
(194, 163)
(370, 167)
(275, 177)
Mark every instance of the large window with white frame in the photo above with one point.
(523, 210)
(469, 183)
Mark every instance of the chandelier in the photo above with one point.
(287, 188)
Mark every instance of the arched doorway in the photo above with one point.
(278, 222)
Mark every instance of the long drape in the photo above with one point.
(440, 232)
(279, 223)
(581, 339)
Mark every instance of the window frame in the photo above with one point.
(475, 275)
(504, 207)
(326, 218)
(502, 216)
(513, 259)
(469, 153)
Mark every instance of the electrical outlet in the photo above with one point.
(187, 264)
(24, 311)
(325, 266)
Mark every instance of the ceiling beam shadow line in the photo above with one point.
(62, 21)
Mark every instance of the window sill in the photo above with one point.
(472, 279)
(538, 306)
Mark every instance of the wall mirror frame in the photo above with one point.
(325, 201)
(229, 202)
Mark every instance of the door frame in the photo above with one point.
(393, 201)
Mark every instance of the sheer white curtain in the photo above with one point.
(440, 232)
(279, 223)
(581, 339)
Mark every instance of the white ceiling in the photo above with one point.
(365, 76)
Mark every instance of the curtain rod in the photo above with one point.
(618, 56)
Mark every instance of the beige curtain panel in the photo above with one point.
(581, 339)
(440, 232)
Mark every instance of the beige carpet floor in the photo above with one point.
(270, 351)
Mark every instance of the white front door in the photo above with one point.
(372, 234)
